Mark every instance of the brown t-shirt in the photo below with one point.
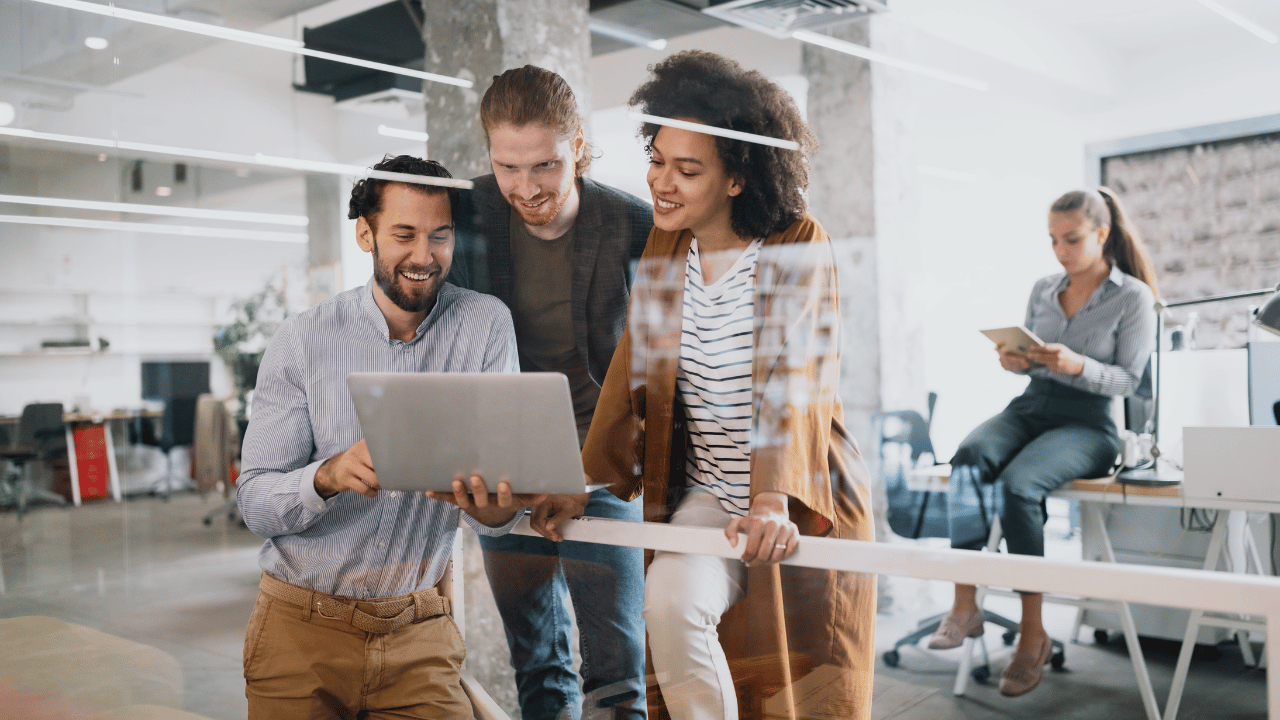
(542, 308)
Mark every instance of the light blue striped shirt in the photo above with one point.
(351, 545)
(1115, 331)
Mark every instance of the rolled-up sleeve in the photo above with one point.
(276, 491)
(1135, 339)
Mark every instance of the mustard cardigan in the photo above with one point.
(799, 447)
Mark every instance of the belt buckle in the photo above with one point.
(320, 612)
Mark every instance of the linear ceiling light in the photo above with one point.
(625, 35)
(404, 134)
(1241, 20)
(138, 209)
(721, 132)
(866, 53)
(249, 38)
(157, 229)
(258, 159)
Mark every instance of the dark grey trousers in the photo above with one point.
(1046, 437)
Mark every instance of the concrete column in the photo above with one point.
(477, 40)
(857, 176)
(481, 38)
(324, 236)
(842, 198)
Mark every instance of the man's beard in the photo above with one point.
(388, 279)
(544, 214)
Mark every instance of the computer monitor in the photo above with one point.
(1264, 383)
(165, 380)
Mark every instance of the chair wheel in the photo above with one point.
(208, 521)
(1058, 660)
(1008, 637)
(981, 674)
(1101, 637)
(891, 658)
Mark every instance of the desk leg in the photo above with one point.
(966, 658)
(75, 469)
(113, 475)
(1126, 621)
(1193, 623)
(1251, 548)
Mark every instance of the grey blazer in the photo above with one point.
(610, 233)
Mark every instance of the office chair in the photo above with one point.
(177, 429)
(908, 427)
(41, 433)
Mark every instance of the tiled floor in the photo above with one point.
(151, 572)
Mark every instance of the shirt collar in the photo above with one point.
(369, 307)
(1116, 276)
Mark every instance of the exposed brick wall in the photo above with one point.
(1210, 215)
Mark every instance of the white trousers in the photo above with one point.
(684, 598)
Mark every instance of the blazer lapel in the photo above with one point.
(496, 219)
(586, 245)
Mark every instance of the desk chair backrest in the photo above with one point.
(41, 427)
(906, 427)
(178, 427)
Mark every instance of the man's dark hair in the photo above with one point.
(717, 91)
(366, 194)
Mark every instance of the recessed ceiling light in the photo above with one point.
(95, 43)
(163, 191)
(7, 113)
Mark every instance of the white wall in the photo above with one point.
(964, 178)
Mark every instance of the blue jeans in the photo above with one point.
(1048, 436)
(531, 577)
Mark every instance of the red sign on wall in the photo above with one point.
(91, 461)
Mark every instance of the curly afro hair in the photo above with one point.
(717, 91)
(366, 194)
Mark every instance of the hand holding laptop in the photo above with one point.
(353, 470)
(472, 497)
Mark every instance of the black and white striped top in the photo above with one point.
(352, 545)
(713, 378)
(1115, 331)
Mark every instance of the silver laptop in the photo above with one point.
(425, 429)
(1231, 463)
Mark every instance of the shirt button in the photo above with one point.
(382, 544)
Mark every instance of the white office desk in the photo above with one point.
(1093, 496)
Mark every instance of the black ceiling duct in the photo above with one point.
(386, 34)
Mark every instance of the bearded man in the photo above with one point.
(353, 616)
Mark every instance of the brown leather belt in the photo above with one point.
(376, 616)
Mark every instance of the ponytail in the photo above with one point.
(1124, 247)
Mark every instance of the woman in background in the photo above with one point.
(1097, 319)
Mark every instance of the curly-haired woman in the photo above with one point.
(720, 406)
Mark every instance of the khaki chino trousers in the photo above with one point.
(299, 664)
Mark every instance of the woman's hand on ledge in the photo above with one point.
(1058, 358)
(771, 536)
